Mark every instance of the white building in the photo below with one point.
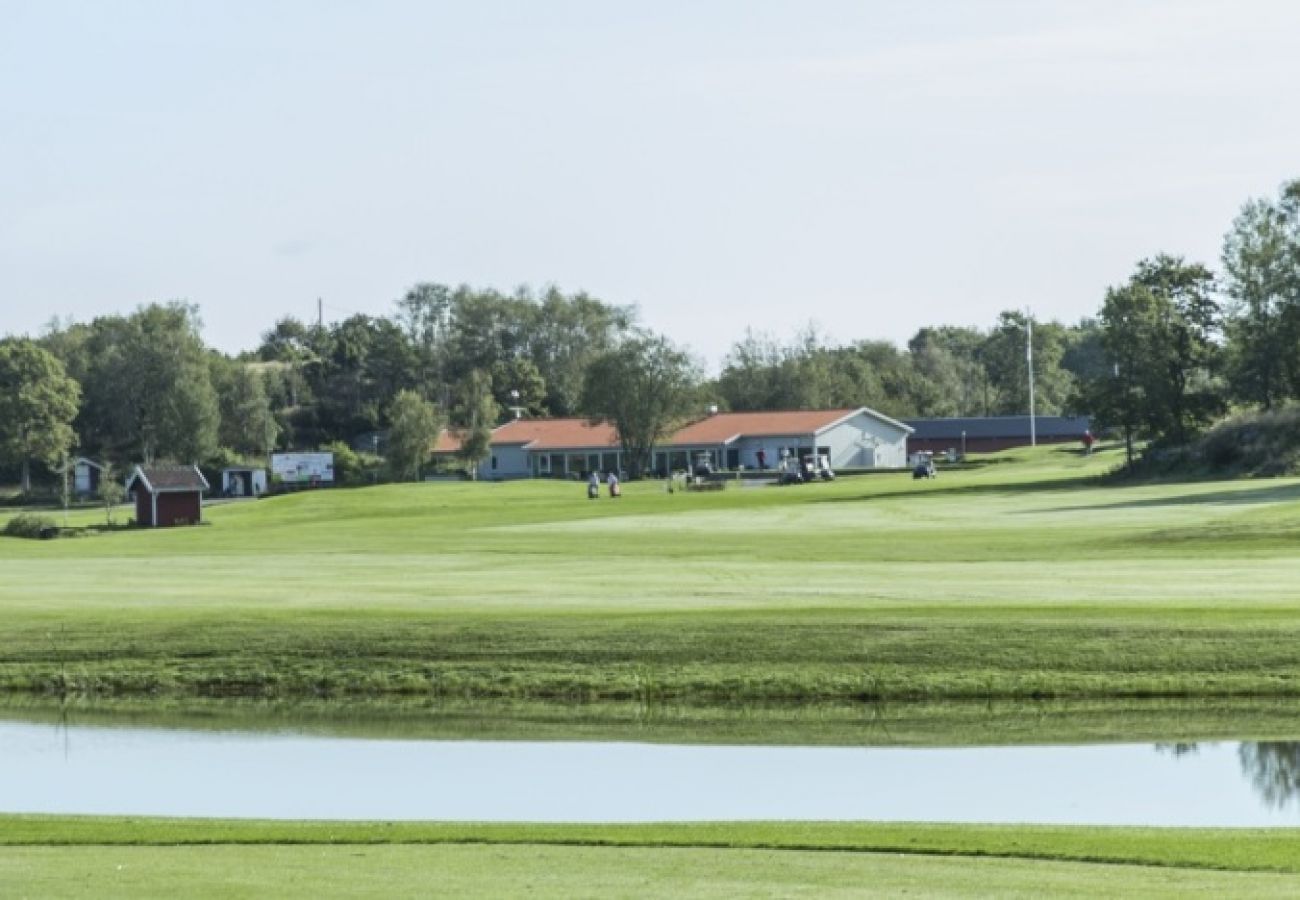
(86, 474)
(561, 448)
(243, 481)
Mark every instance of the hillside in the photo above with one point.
(1023, 577)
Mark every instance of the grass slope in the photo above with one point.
(42, 856)
(946, 724)
(1021, 578)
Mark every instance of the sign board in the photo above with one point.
(303, 468)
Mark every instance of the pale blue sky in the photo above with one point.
(871, 166)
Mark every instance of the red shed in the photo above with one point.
(167, 495)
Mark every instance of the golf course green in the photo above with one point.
(113, 857)
(1023, 577)
(1075, 607)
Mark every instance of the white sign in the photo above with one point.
(303, 468)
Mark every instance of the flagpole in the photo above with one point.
(1029, 361)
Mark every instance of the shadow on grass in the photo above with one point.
(930, 491)
(1244, 497)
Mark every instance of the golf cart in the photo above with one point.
(703, 465)
(803, 471)
(816, 466)
(924, 465)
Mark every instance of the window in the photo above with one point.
(494, 462)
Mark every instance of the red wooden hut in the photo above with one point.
(167, 495)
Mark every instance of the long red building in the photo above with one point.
(988, 434)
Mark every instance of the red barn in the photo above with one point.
(167, 495)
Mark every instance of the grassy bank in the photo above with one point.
(149, 857)
(949, 724)
(1022, 579)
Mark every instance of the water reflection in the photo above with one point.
(1273, 767)
(151, 771)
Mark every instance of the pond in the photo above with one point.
(97, 769)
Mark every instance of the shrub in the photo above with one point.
(348, 468)
(1259, 443)
(223, 458)
(30, 525)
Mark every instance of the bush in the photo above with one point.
(348, 467)
(224, 458)
(1257, 443)
(30, 525)
(1261, 443)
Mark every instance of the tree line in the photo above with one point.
(1169, 351)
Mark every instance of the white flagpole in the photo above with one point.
(1029, 359)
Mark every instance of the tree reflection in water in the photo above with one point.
(1274, 768)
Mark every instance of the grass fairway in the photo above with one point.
(42, 856)
(1021, 578)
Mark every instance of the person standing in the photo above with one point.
(614, 489)
(593, 486)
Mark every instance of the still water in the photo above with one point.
(103, 770)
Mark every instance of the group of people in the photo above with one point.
(593, 485)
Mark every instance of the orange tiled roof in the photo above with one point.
(556, 434)
(448, 441)
(582, 434)
(722, 427)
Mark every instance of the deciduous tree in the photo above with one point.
(1261, 261)
(148, 386)
(38, 403)
(248, 424)
(643, 387)
(1159, 333)
(413, 429)
(476, 413)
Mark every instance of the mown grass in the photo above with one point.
(493, 871)
(42, 855)
(1026, 579)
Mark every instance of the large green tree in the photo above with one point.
(566, 332)
(476, 414)
(38, 402)
(812, 373)
(948, 378)
(365, 362)
(424, 313)
(148, 386)
(248, 423)
(1003, 355)
(1160, 335)
(1185, 352)
(751, 374)
(414, 426)
(644, 387)
(1261, 262)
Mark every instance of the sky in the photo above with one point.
(870, 167)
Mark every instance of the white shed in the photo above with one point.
(240, 481)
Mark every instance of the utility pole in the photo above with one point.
(320, 314)
(1029, 359)
(66, 464)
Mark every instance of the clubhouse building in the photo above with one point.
(564, 448)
